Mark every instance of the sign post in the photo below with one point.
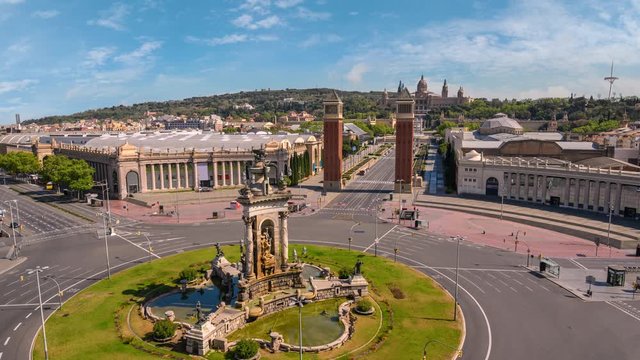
(590, 279)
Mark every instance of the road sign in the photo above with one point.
(590, 279)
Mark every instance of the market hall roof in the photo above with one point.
(196, 140)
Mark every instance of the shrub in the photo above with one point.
(246, 349)
(189, 274)
(163, 329)
(363, 305)
(344, 273)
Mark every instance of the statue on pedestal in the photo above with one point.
(219, 250)
(358, 268)
(268, 260)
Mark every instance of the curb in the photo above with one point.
(14, 263)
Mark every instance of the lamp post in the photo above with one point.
(609, 229)
(502, 198)
(455, 307)
(38, 270)
(14, 255)
(106, 243)
(376, 224)
(395, 247)
(149, 242)
(104, 185)
(351, 234)
(300, 304)
(50, 277)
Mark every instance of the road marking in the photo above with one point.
(7, 341)
(380, 238)
(10, 291)
(0, 355)
(17, 326)
(578, 264)
(528, 288)
(138, 246)
(29, 314)
(615, 305)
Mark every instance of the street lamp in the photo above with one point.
(395, 247)
(104, 185)
(351, 233)
(300, 304)
(149, 242)
(502, 198)
(377, 200)
(609, 229)
(455, 307)
(50, 277)
(38, 270)
(106, 243)
(14, 255)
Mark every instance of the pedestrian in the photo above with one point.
(483, 232)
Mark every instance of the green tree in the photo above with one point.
(164, 329)
(79, 176)
(53, 169)
(20, 162)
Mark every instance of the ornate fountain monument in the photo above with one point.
(264, 269)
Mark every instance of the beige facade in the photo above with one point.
(170, 161)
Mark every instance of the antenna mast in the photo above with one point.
(611, 79)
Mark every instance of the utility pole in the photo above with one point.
(38, 270)
(609, 229)
(455, 307)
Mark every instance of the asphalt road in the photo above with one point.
(510, 313)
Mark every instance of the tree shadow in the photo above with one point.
(148, 291)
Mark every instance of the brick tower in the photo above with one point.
(333, 143)
(404, 142)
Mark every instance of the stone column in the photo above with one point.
(248, 270)
(180, 185)
(567, 189)
(618, 200)
(196, 181)
(284, 240)
(215, 174)
(576, 199)
(239, 173)
(169, 167)
(224, 173)
(162, 184)
(596, 199)
(545, 184)
(607, 197)
(153, 176)
(536, 183)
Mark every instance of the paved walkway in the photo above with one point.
(191, 207)
(574, 281)
(503, 234)
(581, 224)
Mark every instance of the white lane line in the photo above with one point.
(7, 341)
(138, 246)
(29, 314)
(528, 288)
(17, 326)
(7, 293)
(380, 238)
(0, 355)
(578, 264)
(619, 308)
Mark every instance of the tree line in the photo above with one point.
(74, 174)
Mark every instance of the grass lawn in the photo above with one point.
(92, 325)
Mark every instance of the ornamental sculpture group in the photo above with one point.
(264, 281)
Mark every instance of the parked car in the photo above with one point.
(14, 225)
(204, 189)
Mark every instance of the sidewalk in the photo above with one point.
(501, 234)
(574, 281)
(7, 265)
(187, 207)
(585, 226)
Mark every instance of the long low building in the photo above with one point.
(170, 160)
(541, 168)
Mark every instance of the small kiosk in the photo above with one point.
(615, 275)
(550, 267)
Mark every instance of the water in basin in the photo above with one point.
(184, 305)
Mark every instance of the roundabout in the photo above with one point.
(104, 321)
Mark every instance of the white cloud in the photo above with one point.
(257, 6)
(112, 18)
(45, 14)
(11, 2)
(19, 85)
(516, 49)
(246, 21)
(230, 39)
(141, 53)
(283, 4)
(98, 56)
(357, 71)
(309, 15)
(353, 13)
(317, 39)
(20, 47)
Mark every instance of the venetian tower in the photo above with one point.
(333, 143)
(404, 142)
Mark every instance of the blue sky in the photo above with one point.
(59, 57)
